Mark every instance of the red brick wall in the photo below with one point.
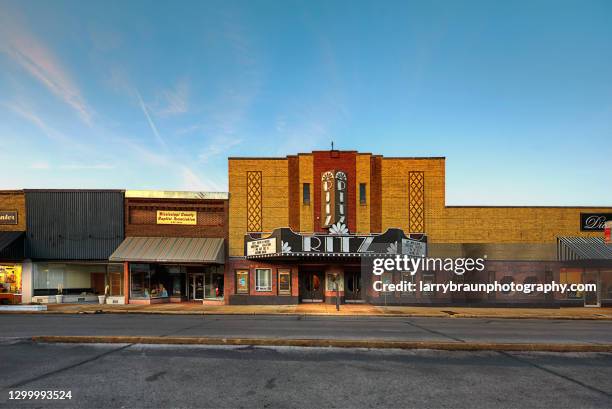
(141, 216)
(345, 161)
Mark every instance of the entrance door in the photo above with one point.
(591, 298)
(352, 286)
(311, 286)
(196, 290)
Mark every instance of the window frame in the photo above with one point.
(363, 194)
(306, 194)
(259, 288)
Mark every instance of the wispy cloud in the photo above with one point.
(40, 62)
(217, 147)
(40, 166)
(174, 101)
(145, 111)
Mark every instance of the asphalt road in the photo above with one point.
(154, 376)
(384, 328)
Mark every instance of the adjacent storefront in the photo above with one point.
(70, 235)
(12, 227)
(175, 247)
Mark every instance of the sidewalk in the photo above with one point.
(330, 310)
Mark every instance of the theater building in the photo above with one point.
(70, 235)
(175, 247)
(12, 228)
(304, 225)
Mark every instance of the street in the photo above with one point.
(139, 376)
(383, 328)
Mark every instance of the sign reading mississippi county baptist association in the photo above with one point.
(177, 217)
(8, 217)
(594, 221)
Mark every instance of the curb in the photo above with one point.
(303, 314)
(335, 343)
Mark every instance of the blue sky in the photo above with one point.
(147, 95)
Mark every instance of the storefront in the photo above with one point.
(285, 267)
(70, 235)
(175, 247)
(12, 227)
(586, 261)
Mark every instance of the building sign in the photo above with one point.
(594, 221)
(607, 232)
(261, 247)
(334, 198)
(8, 217)
(177, 217)
(292, 244)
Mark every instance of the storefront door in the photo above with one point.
(591, 298)
(196, 284)
(352, 285)
(311, 286)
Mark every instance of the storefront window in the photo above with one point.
(284, 282)
(213, 283)
(140, 281)
(263, 279)
(10, 278)
(572, 276)
(82, 280)
(242, 281)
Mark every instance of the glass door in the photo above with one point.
(196, 292)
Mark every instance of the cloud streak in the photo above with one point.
(39, 61)
(145, 111)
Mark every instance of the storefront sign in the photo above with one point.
(594, 221)
(334, 198)
(8, 217)
(393, 241)
(177, 217)
(261, 247)
(607, 232)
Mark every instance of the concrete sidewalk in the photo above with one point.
(579, 313)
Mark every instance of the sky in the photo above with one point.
(156, 95)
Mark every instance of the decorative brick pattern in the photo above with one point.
(254, 201)
(416, 202)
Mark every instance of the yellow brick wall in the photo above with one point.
(363, 176)
(510, 224)
(275, 197)
(395, 190)
(306, 211)
(10, 201)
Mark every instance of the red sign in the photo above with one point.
(607, 229)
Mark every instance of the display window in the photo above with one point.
(10, 278)
(284, 282)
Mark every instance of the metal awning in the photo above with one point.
(583, 248)
(11, 245)
(171, 250)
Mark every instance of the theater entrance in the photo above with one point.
(352, 286)
(311, 286)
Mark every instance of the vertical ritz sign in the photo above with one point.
(333, 198)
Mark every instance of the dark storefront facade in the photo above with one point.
(175, 247)
(69, 236)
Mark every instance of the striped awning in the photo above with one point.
(171, 250)
(583, 248)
